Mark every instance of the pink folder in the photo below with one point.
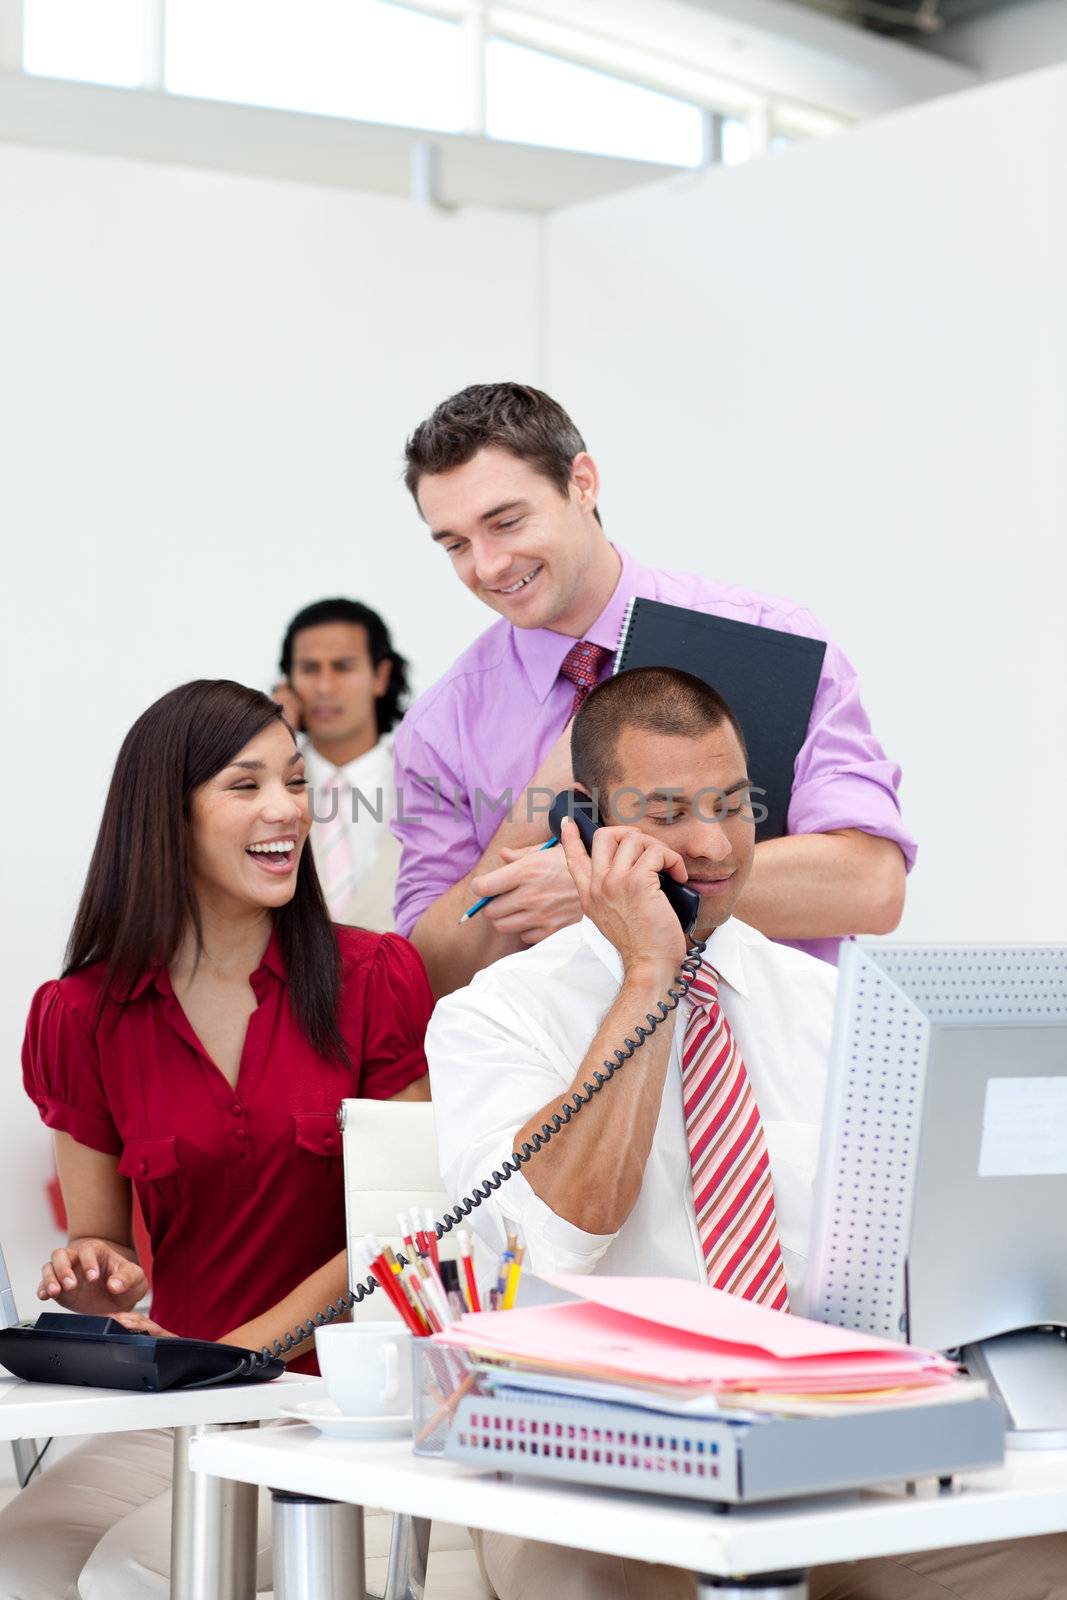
(668, 1331)
(691, 1307)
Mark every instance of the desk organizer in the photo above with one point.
(441, 1380)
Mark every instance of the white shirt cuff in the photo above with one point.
(552, 1243)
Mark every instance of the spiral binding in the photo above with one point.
(459, 1213)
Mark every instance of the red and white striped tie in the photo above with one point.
(732, 1189)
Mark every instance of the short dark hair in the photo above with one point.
(655, 699)
(512, 416)
(139, 895)
(389, 707)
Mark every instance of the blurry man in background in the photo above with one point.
(343, 690)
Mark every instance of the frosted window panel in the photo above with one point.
(534, 98)
(366, 59)
(98, 41)
(736, 141)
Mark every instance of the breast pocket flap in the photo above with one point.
(318, 1132)
(149, 1158)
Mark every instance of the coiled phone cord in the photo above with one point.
(459, 1213)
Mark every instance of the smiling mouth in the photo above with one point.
(709, 885)
(515, 588)
(276, 856)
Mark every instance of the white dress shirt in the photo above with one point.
(375, 852)
(513, 1041)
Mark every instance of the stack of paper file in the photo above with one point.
(669, 1337)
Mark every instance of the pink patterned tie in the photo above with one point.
(333, 855)
(732, 1189)
(582, 665)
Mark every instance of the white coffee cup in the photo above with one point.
(367, 1368)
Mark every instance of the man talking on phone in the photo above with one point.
(697, 1159)
(509, 493)
(343, 688)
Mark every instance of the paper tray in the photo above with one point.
(724, 1461)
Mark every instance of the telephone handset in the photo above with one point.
(685, 902)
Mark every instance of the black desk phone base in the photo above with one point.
(62, 1347)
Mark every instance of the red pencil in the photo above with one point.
(473, 1302)
(431, 1240)
(408, 1221)
(386, 1278)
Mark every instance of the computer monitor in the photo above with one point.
(942, 1180)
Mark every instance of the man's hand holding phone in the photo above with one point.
(291, 704)
(618, 888)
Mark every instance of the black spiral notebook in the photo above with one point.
(768, 678)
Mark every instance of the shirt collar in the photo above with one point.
(541, 650)
(159, 977)
(723, 952)
(321, 771)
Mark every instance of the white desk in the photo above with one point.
(203, 1517)
(1027, 1496)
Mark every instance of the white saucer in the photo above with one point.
(324, 1415)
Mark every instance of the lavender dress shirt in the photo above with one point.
(474, 740)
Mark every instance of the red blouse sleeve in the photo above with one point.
(397, 1008)
(61, 1071)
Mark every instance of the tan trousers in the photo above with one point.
(96, 1526)
(1024, 1569)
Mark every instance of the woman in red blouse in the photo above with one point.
(209, 1021)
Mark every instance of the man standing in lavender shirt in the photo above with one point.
(502, 478)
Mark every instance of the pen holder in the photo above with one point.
(441, 1379)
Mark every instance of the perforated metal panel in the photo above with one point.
(889, 996)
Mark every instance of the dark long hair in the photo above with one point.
(139, 896)
(388, 707)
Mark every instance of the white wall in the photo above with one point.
(1011, 39)
(205, 387)
(840, 374)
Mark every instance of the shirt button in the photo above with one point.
(237, 1108)
(144, 1167)
(242, 1133)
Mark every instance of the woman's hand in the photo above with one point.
(92, 1276)
(137, 1322)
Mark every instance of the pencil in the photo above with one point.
(468, 1271)
(386, 1277)
(431, 1239)
(484, 901)
(406, 1221)
(513, 1281)
(502, 1273)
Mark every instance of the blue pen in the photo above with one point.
(484, 901)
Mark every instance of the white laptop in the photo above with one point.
(8, 1314)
